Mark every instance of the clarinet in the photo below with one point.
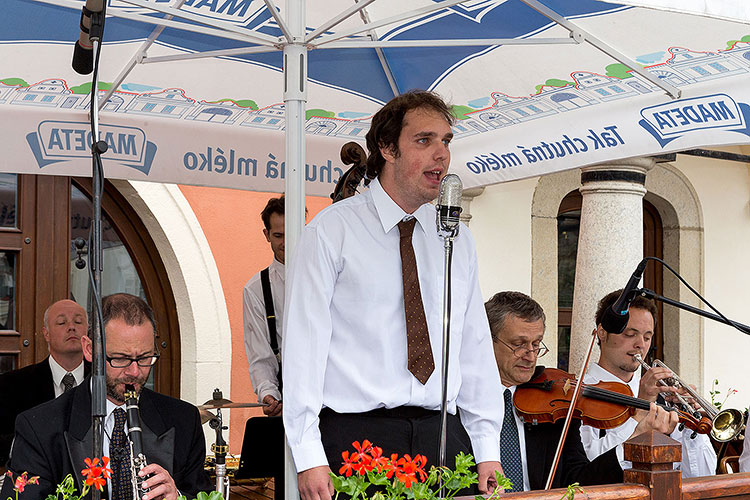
(138, 459)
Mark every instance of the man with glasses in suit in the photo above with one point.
(52, 440)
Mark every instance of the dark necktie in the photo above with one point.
(119, 459)
(421, 363)
(69, 382)
(510, 448)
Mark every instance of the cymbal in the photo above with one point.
(220, 403)
(217, 401)
(206, 416)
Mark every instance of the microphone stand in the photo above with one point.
(448, 234)
(448, 247)
(650, 294)
(98, 386)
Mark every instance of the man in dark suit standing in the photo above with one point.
(517, 327)
(53, 439)
(65, 322)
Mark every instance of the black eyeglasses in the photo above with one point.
(522, 350)
(122, 362)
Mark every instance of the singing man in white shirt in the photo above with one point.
(262, 345)
(348, 373)
(616, 364)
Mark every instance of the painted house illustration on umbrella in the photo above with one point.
(681, 67)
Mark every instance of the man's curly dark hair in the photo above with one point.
(387, 123)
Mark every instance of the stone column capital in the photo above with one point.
(637, 165)
(466, 196)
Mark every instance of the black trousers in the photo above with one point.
(405, 429)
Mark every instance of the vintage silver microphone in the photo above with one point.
(137, 458)
(449, 205)
(448, 211)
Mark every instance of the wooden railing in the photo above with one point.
(652, 477)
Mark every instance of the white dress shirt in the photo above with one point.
(745, 457)
(698, 456)
(264, 367)
(58, 372)
(345, 342)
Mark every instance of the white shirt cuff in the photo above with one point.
(486, 450)
(309, 455)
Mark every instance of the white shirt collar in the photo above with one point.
(391, 214)
(277, 267)
(58, 372)
(596, 371)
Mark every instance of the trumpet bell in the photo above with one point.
(727, 424)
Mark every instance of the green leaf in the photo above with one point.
(338, 481)
(464, 462)
(215, 495)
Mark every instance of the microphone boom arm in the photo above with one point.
(650, 294)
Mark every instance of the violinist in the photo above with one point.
(616, 363)
(517, 327)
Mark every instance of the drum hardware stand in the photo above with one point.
(220, 449)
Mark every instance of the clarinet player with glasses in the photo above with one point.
(52, 440)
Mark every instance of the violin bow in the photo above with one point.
(568, 417)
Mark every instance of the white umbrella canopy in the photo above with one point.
(208, 107)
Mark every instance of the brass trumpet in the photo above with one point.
(725, 425)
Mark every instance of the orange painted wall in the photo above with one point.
(230, 219)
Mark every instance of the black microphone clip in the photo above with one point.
(615, 318)
(81, 250)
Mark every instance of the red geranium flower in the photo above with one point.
(22, 481)
(348, 466)
(391, 467)
(96, 474)
(364, 448)
(411, 470)
(378, 460)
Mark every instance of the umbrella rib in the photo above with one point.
(357, 7)
(381, 56)
(465, 42)
(282, 25)
(390, 20)
(211, 53)
(136, 58)
(581, 35)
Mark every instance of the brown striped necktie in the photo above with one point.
(421, 364)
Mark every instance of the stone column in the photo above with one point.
(467, 195)
(610, 242)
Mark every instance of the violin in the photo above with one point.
(605, 405)
(351, 154)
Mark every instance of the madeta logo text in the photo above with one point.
(667, 122)
(57, 141)
(248, 13)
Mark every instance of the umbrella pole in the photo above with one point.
(295, 102)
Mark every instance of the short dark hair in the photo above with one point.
(126, 307)
(274, 206)
(518, 304)
(639, 302)
(387, 123)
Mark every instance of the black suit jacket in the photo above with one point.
(52, 441)
(574, 467)
(21, 390)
